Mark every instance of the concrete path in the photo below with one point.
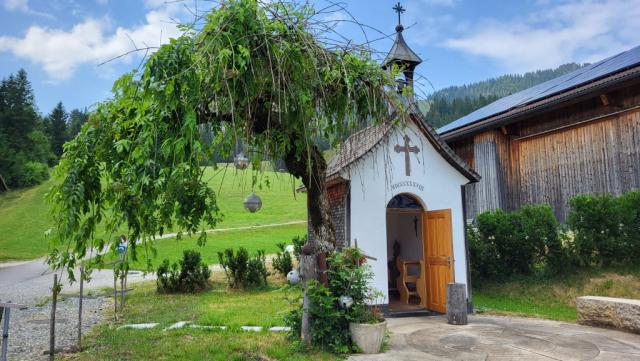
(503, 338)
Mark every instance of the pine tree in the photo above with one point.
(77, 118)
(57, 128)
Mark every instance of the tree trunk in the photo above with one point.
(309, 164)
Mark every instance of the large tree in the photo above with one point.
(255, 72)
(57, 123)
(23, 145)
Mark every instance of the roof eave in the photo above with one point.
(514, 114)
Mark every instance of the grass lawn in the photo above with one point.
(24, 214)
(554, 297)
(251, 239)
(218, 306)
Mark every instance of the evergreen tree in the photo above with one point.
(57, 128)
(77, 118)
(24, 148)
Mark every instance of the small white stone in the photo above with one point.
(209, 327)
(280, 329)
(251, 328)
(290, 248)
(179, 324)
(138, 326)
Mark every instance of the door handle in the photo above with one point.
(448, 261)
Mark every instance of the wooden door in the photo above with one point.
(438, 256)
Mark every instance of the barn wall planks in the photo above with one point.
(555, 155)
(598, 157)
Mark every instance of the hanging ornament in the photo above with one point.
(252, 203)
(293, 277)
(240, 161)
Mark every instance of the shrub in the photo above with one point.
(595, 221)
(329, 321)
(242, 271)
(33, 173)
(298, 242)
(190, 274)
(283, 262)
(505, 243)
(629, 206)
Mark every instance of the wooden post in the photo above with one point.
(5, 332)
(121, 281)
(80, 307)
(457, 304)
(52, 330)
(115, 294)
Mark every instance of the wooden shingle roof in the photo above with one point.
(362, 142)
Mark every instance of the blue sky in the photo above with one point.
(62, 42)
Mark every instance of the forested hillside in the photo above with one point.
(449, 104)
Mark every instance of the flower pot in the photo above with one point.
(368, 336)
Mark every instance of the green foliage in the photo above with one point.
(22, 140)
(282, 262)
(251, 71)
(605, 228)
(243, 271)
(629, 204)
(505, 243)
(34, 173)
(298, 242)
(189, 275)
(329, 318)
(56, 125)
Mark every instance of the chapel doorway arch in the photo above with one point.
(419, 255)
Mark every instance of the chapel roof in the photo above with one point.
(361, 143)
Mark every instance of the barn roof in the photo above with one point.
(614, 69)
(361, 143)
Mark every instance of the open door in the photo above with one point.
(438, 256)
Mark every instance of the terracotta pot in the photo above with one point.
(368, 336)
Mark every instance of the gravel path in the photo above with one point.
(29, 329)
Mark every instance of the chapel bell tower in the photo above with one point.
(402, 55)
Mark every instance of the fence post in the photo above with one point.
(115, 294)
(80, 307)
(52, 330)
(5, 331)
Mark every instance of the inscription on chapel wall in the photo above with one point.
(410, 184)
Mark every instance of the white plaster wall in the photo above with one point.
(372, 178)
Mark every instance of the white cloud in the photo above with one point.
(23, 6)
(61, 52)
(446, 3)
(574, 30)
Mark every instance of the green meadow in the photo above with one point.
(24, 214)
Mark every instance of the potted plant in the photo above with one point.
(368, 327)
(349, 278)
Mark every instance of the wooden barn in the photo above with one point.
(576, 134)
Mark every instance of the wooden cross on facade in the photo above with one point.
(407, 149)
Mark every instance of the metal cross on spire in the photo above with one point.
(399, 9)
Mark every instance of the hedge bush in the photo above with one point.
(243, 271)
(190, 274)
(33, 173)
(606, 228)
(505, 243)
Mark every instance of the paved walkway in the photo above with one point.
(503, 338)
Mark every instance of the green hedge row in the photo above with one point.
(601, 230)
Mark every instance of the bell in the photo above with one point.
(252, 203)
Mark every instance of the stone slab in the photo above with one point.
(138, 326)
(612, 312)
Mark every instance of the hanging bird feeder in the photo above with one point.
(252, 203)
(240, 161)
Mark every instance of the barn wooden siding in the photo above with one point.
(590, 146)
